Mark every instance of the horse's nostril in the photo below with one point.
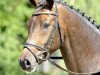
(22, 64)
(27, 63)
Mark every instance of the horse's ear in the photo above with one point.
(37, 2)
(50, 3)
(33, 2)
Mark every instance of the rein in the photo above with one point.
(48, 44)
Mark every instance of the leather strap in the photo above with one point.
(66, 70)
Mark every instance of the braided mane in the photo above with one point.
(93, 22)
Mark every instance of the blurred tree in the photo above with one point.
(13, 18)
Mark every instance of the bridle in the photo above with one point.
(45, 48)
(48, 44)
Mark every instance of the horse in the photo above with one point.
(54, 26)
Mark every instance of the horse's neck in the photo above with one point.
(81, 50)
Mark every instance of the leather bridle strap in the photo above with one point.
(44, 13)
(49, 42)
(41, 48)
(32, 53)
(66, 70)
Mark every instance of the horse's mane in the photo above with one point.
(93, 22)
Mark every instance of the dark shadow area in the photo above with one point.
(96, 73)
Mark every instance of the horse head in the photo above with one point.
(44, 35)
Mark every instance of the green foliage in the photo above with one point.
(13, 18)
(13, 30)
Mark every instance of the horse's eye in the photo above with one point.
(46, 25)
